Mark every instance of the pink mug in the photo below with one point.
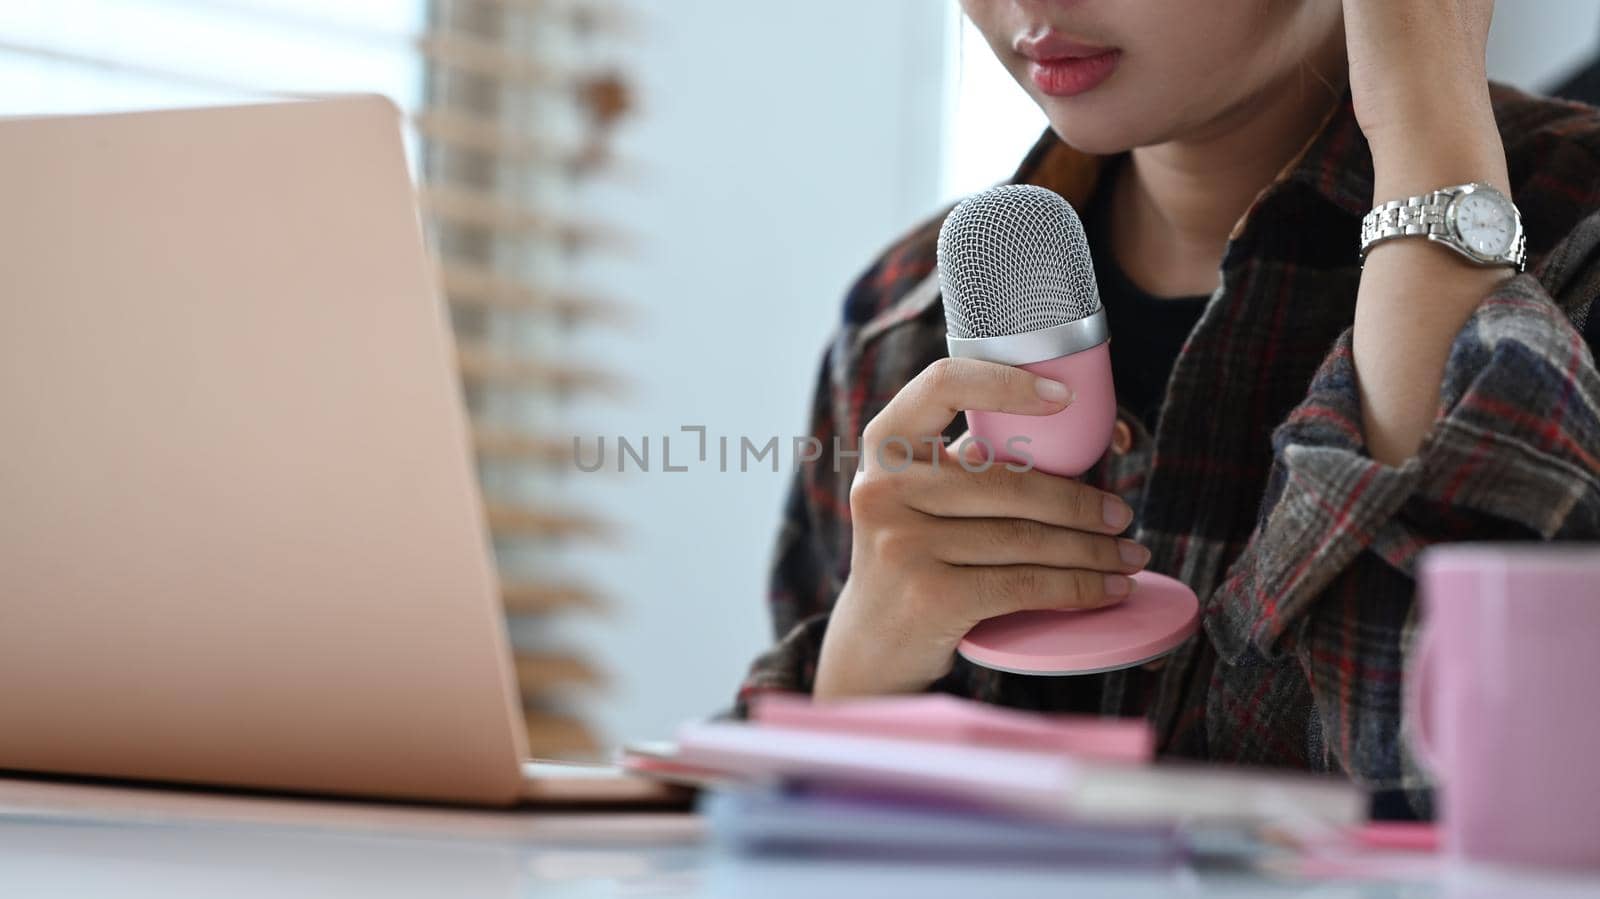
(1503, 699)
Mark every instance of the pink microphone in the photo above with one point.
(1019, 289)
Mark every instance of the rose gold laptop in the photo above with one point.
(241, 542)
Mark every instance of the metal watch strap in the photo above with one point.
(1422, 215)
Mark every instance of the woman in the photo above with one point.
(1295, 425)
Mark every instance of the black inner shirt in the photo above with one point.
(1147, 331)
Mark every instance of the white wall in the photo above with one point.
(1537, 42)
(784, 144)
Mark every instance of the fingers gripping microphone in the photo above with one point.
(1019, 289)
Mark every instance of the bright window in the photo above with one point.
(100, 55)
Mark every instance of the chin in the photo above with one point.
(1099, 125)
(1087, 138)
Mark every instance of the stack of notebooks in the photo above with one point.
(941, 777)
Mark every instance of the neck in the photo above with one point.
(1178, 202)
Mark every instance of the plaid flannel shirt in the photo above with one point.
(1255, 488)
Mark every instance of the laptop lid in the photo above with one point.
(241, 541)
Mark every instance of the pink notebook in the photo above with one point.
(1040, 783)
(949, 719)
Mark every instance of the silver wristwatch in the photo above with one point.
(1475, 220)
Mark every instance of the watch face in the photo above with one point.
(1486, 223)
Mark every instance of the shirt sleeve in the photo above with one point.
(1513, 454)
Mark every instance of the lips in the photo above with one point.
(1062, 67)
(1053, 46)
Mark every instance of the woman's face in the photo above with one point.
(1115, 74)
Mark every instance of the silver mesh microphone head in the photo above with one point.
(1013, 259)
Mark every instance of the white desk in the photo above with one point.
(85, 841)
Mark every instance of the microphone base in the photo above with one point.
(1152, 621)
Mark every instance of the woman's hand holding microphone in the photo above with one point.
(939, 546)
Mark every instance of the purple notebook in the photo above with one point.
(805, 819)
